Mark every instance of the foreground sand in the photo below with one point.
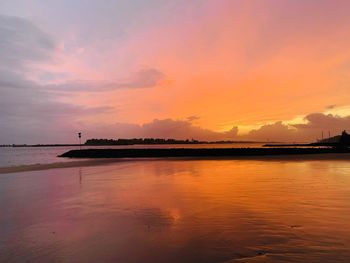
(95, 162)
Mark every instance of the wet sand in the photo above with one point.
(173, 210)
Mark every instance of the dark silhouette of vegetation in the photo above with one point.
(345, 138)
(134, 141)
(338, 141)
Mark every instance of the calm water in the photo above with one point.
(178, 211)
(10, 156)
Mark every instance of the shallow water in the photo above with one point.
(15, 156)
(178, 211)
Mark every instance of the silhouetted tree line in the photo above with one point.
(138, 141)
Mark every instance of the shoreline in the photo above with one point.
(106, 161)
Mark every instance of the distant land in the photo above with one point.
(147, 141)
(342, 140)
(133, 141)
(336, 144)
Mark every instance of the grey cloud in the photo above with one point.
(21, 42)
(181, 129)
(145, 78)
(193, 118)
(320, 121)
(11, 79)
(231, 134)
(273, 132)
(33, 116)
(330, 107)
(316, 123)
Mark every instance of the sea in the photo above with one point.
(17, 156)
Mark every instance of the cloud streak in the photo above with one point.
(144, 78)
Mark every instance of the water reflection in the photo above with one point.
(80, 173)
(179, 211)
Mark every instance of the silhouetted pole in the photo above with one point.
(79, 135)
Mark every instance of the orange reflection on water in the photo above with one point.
(181, 211)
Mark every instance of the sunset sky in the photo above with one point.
(275, 70)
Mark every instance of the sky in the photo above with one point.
(272, 70)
